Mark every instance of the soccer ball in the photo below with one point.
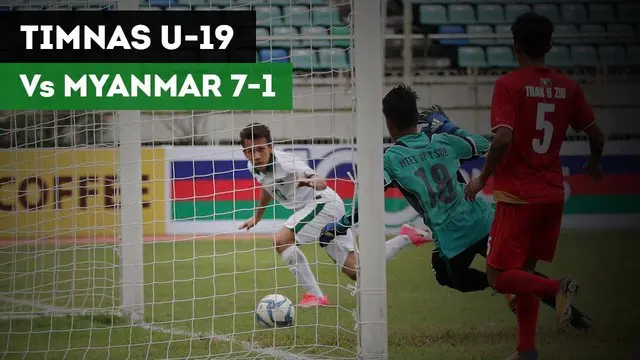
(275, 310)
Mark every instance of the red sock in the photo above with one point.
(522, 282)
(527, 307)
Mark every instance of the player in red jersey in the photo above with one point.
(531, 110)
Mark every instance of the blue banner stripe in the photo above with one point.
(210, 170)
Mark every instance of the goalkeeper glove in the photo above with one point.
(330, 231)
(435, 121)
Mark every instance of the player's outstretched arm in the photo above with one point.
(265, 199)
(499, 147)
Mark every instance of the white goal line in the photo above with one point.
(48, 310)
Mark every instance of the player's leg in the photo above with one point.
(294, 231)
(409, 235)
(550, 220)
(508, 265)
(457, 273)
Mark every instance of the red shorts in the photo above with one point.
(523, 231)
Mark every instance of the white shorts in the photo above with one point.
(308, 222)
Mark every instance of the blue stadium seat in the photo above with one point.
(274, 55)
(433, 14)
(304, 59)
(574, 13)
(628, 12)
(289, 32)
(490, 14)
(336, 59)
(326, 16)
(462, 14)
(612, 55)
(602, 13)
(452, 29)
(268, 15)
(550, 11)
(471, 57)
(559, 56)
(566, 29)
(500, 56)
(504, 29)
(633, 55)
(512, 11)
(161, 2)
(297, 15)
(584, 55)
(314, 31)
(481, 29)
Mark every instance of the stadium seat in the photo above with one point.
(262, 31)
(633, 55)
(584, 55)
(566, 29)
(336, 59)
(602, 13)
(288, 31)
(297, 15)
(512, 11)
(471, 57)
(342, 30)
(268, 15)
(559, 56)
(195, 2)
(593, 29)
(462, 14)
(574, 13)
(504, 29)
(222, 3)
(620, 29)
(155, 2)
(452, 29)
(433, 14)
(481, 29)
(500, 56)
(612, 55)
(304, 59)
(314, 31)
(326, 16)
(143, 8)
(310, 2)
(177, 8)
(490, 14)
(274, 55)
(550, 11)
(628, 12)
(206, 8)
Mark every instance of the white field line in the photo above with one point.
(48, 310)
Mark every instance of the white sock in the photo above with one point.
(392, 246)
(299, 267)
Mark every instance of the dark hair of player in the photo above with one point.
(532, 35)
(400, 107)
(255, 131)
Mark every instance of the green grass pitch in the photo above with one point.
(201, 296)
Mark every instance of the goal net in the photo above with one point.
(119, 231)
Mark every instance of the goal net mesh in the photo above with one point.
(60, 225)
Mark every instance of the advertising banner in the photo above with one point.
(212, 192)
(68, 193)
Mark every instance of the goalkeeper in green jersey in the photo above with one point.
(424, 165)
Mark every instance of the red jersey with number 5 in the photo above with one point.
(538, 104)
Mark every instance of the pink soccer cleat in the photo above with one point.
(417, 236)
(310, 300)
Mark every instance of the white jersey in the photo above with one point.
(280, 181)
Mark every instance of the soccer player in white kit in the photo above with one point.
(297, 187)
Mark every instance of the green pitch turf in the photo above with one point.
(201, 296)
